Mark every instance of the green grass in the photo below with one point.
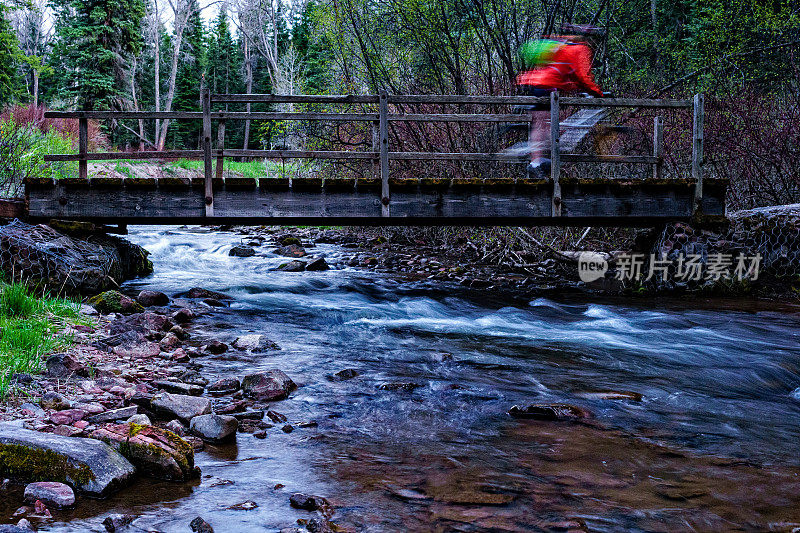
(125, 170)
(249, 169)
(30, 330)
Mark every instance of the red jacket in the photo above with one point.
(569, 71)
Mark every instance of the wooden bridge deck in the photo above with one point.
(357, 202)
(380, 199)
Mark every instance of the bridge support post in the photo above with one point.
(658, 146)
(208, 164)
(383, 127)
(555, 153)
(697, 151)
(83, 146)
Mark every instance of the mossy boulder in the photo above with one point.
(87, 465)
(115, 302)
(156, 452)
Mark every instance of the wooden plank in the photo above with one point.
(121, 115)
(555, 153)
(107, 156)
(12, 208)
(512, 158)
(330, 117)
(532, 100)
(83, 147)
(383, 127)
(697, 150)
(295, 98)
(454, 117)
(626, 102)
(658, 146)
(220, 149)
(207, 161)
(302, 154)
(491, 201)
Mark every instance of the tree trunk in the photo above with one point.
(248, 63)
(173, 76)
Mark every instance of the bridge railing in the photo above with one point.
(381, 153)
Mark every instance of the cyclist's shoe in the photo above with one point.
(539, 169)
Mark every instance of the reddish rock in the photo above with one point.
(268, 386)
(291, 250)
(154, 451)
(67, 417)
(182, 316)
(150, 298)
(144, 350)
(50, 493)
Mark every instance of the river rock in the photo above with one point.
(199, 525)
(216, 347)
(51, 493)
(552, 411)
(179, 332)
(140, 419)
(67, 416)
(288, 240)
(291, 250)
(200, 293)
(179, 388)
(180, 405)
(117, 522)
(176, 427)
(241, 251)
(611, 395)
(254, 342)
(8, 528)
(170, 342)
(86, 464)
(140, 350)
(308, 502)
(112, 415)
(155, 452)
(214, 428)
(292, 266)
(54, 400)
(115, 302)
(62, 366)
(152, 298)
(268, 386)
(193, 378)
(183, 316)
(344, 375)
(248, 505)
(401, 386)
(317, 265)
(224, 386)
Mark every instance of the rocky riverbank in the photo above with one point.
(130, 399)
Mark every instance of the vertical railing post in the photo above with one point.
(658, 146)
(209, 172)
(383, 127)
(220, 148)
(376, 147)
(555, 153)
(697, 151)
(83, 146)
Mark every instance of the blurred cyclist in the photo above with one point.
(558, 63)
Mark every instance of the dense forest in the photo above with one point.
(155, 54)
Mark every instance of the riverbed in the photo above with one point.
(712, 445)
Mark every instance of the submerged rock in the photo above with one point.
(51, 493)
(200, 293)
(216, 347)
(224, 386)
(405, 387)
(343, 375)
(214, 428)
(611, 395)
(180, 405)
(115, 302)
(90, 466)
(268, 386)
(117, 522)
(155, 452)
(553, 411)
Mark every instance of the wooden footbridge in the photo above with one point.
(379, 198)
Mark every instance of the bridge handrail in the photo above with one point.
(380, 153)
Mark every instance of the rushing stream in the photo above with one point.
(712, 445)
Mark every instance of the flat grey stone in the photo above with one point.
(180, 405)
(91, 466)
(122, 413)
(178, 387)
(214, 428)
